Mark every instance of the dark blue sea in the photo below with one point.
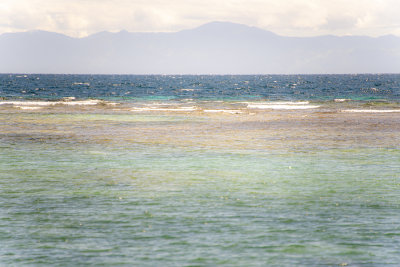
(237, 87)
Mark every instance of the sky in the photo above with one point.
(80, 18)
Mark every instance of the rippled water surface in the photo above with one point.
(207, 170)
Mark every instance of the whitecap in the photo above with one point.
(282, 105)
(84, 103)
(80, 83)
(159, 104)
(28, 103)
(90, 102)
(230, 111)
(341, 100)
(278, 103)
(179, 109)
(28, 108)
(69, 98)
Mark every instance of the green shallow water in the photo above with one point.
(79, 192)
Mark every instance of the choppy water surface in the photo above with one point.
(273, 87)
(201, 173)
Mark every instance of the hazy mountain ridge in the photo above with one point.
(214, 48)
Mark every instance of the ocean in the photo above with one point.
(199, 170)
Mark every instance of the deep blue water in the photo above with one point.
(272, 87)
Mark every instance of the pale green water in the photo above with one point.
(101, 187)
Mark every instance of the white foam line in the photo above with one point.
(269, 106)
(341, 100)
(370, 110)
(79, 83)
(182, 109)
(28, 108)
(230, 111)
(27, 103)
(159, 104)
(53, 103)
(81, 103)
(278, 103)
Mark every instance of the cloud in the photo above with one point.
(287, 17)
(337, 23)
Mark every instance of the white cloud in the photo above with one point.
(286, 17)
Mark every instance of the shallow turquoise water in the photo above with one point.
(72, 199)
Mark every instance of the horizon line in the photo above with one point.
(200, 74)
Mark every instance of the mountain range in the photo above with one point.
(213, 48)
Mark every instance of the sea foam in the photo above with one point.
(178, 109)
(28, 108)
(282, 105)
(90, 102)
(230, 111)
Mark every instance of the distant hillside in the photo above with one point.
(214, 48)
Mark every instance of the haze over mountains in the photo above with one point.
(214, 48)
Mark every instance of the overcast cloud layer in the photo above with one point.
(79, 18)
